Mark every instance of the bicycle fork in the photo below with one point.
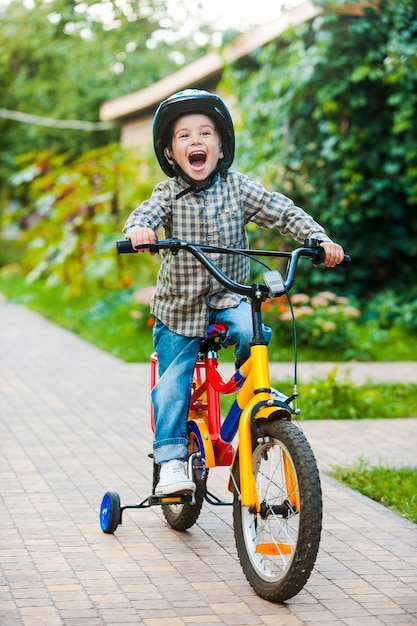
(255, 397)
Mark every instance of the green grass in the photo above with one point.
(368, 401)
(340, 398)
(331, 398)
(395, 488)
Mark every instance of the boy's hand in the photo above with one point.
(141, 236)
(334, 253)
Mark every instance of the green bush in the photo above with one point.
(334, 398)
(68, 213)
(328, 118)
(390, 308)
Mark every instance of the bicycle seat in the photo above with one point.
(213, 339)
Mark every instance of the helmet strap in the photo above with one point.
(196, 188)
(193, 186)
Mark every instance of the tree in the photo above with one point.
(329, 117)
(68, 211)
(63, 58)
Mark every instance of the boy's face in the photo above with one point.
(196, 146)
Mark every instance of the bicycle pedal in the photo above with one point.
(174, 498)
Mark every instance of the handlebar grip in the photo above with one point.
(124, 247)
(346, 262)
(320, 255)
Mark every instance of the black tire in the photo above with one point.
(110, 512)
(182, 516)
(277, 548)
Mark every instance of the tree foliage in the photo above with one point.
(63, 58)
(329, 117)
(68, 211)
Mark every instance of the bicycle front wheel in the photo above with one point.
(278, 546)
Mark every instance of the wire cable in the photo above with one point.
(29, 118)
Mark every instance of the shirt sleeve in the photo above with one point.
(152, 213)
(274, 210)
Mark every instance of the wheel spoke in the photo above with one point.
(269, 540)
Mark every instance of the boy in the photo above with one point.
(202, 202)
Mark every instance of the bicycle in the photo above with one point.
(274, 479)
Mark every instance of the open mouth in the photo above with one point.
(197, 159)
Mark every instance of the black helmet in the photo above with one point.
(183, 103)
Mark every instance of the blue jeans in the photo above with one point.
(176, 360)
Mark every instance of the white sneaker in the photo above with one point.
(173, 479)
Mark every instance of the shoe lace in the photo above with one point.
(177, 470)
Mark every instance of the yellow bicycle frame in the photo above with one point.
(255, 390)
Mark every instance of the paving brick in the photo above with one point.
(74, 424)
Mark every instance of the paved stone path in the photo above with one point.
(74, 424)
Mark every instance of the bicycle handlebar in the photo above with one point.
(311, 250)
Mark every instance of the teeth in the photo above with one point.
(197, 156)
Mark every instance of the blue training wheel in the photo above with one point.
(110, 512)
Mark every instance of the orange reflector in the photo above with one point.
(274, 548)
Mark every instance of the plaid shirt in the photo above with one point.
(217, 216)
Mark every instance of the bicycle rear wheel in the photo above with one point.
(277, 547)
(183, 516)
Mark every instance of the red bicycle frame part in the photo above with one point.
(210, 383)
